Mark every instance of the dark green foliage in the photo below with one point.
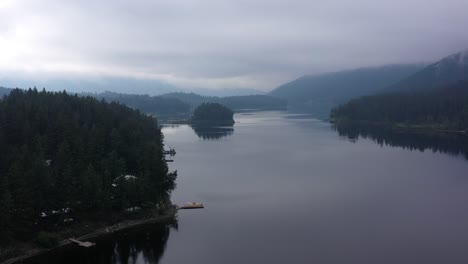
(61, 151)
(318, 94)
(213, 113)
(47, 240)
(242, 102)
(438, 108)
(253, 102)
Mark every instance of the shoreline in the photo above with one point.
(419, 128)
(95, 235)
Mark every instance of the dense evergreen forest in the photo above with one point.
(438, 108)
(213, 113)
(65, 157)
(237, 103)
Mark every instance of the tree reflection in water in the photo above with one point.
(444, 142)
(213, 132)
(145, 244)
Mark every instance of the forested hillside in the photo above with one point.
(438, 108)
(65, 157)
(237, 103)
(156, 105)
(318, 94)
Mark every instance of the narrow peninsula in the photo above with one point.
(76, 166)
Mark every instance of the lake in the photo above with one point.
(287, 188)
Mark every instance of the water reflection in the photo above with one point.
(145, 244)
(451, 143)
(213, 132)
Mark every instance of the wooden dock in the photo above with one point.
(192, 205)
(85, 244)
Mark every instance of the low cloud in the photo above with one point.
(224, 44)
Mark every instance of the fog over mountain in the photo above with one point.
(115, 84)
(450, 69)
(221, 44)
(76, 85)
(318, 94)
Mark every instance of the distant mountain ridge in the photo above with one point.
(115, 84)
(91, 84)
(236, 103)
(318, 94)
(435, 97)
(154, 105)
(448, 70)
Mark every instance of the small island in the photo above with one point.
(212, 114)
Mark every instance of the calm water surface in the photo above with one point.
(283, 188)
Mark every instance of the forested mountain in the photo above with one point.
(320, 93)
(237, 103)
(212, 114)
(446, 71)
(156, 105)
(443, 107)
(65, 157)
(223, 92)
(192, 99)
(4, 91)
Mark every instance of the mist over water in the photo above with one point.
(282, 188)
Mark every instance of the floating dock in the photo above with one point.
(85, 244)
(192, 205)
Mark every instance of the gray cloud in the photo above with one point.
(232, 43)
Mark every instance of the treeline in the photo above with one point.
(438, 108)
(64, 157)
(237, 103)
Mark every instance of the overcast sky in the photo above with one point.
(223, 43)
